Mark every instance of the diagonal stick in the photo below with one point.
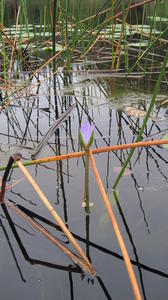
(116, 229)
(55, 215)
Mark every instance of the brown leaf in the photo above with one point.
(131, 111)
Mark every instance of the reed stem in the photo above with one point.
(116, 230)
(87, 181)
(94, 151)
(156, 89)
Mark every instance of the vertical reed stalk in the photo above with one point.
(13, 49)
(44, 19)
(120, 38)
(2, 8)
(54, 26)
(25, 15)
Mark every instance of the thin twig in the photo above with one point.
(92, 45)
(16, 49)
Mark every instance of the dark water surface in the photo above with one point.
(33, 264)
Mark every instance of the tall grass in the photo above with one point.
(2, 7)
(82, 32)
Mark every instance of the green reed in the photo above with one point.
(156, 90)
(82, 35)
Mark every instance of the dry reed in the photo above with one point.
(94, 151)
(48, 235)
(116, 229)
(55, 216)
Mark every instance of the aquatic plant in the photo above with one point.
(86, 133)
(113, 39)
(139, 136)
(107, 24)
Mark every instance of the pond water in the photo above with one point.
(32, 266)
(44, 271)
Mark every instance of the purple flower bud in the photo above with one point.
(86, 131)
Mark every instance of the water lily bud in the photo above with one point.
(86, 134)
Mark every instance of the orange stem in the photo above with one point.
(94, 151)
(116, 230)
(101, 150)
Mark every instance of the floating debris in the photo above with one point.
(131, 111)
(51, 131)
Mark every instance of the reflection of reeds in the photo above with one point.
(73, 269)
(91, 244)
(12, 250)
(107, 204)
(51, 131)
(48, 235)
(155, 93)
(85, 264)
(55, 216)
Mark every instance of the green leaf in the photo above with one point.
(90, 141)
(81, 141)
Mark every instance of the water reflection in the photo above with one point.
(71, 268)
(25, 125)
